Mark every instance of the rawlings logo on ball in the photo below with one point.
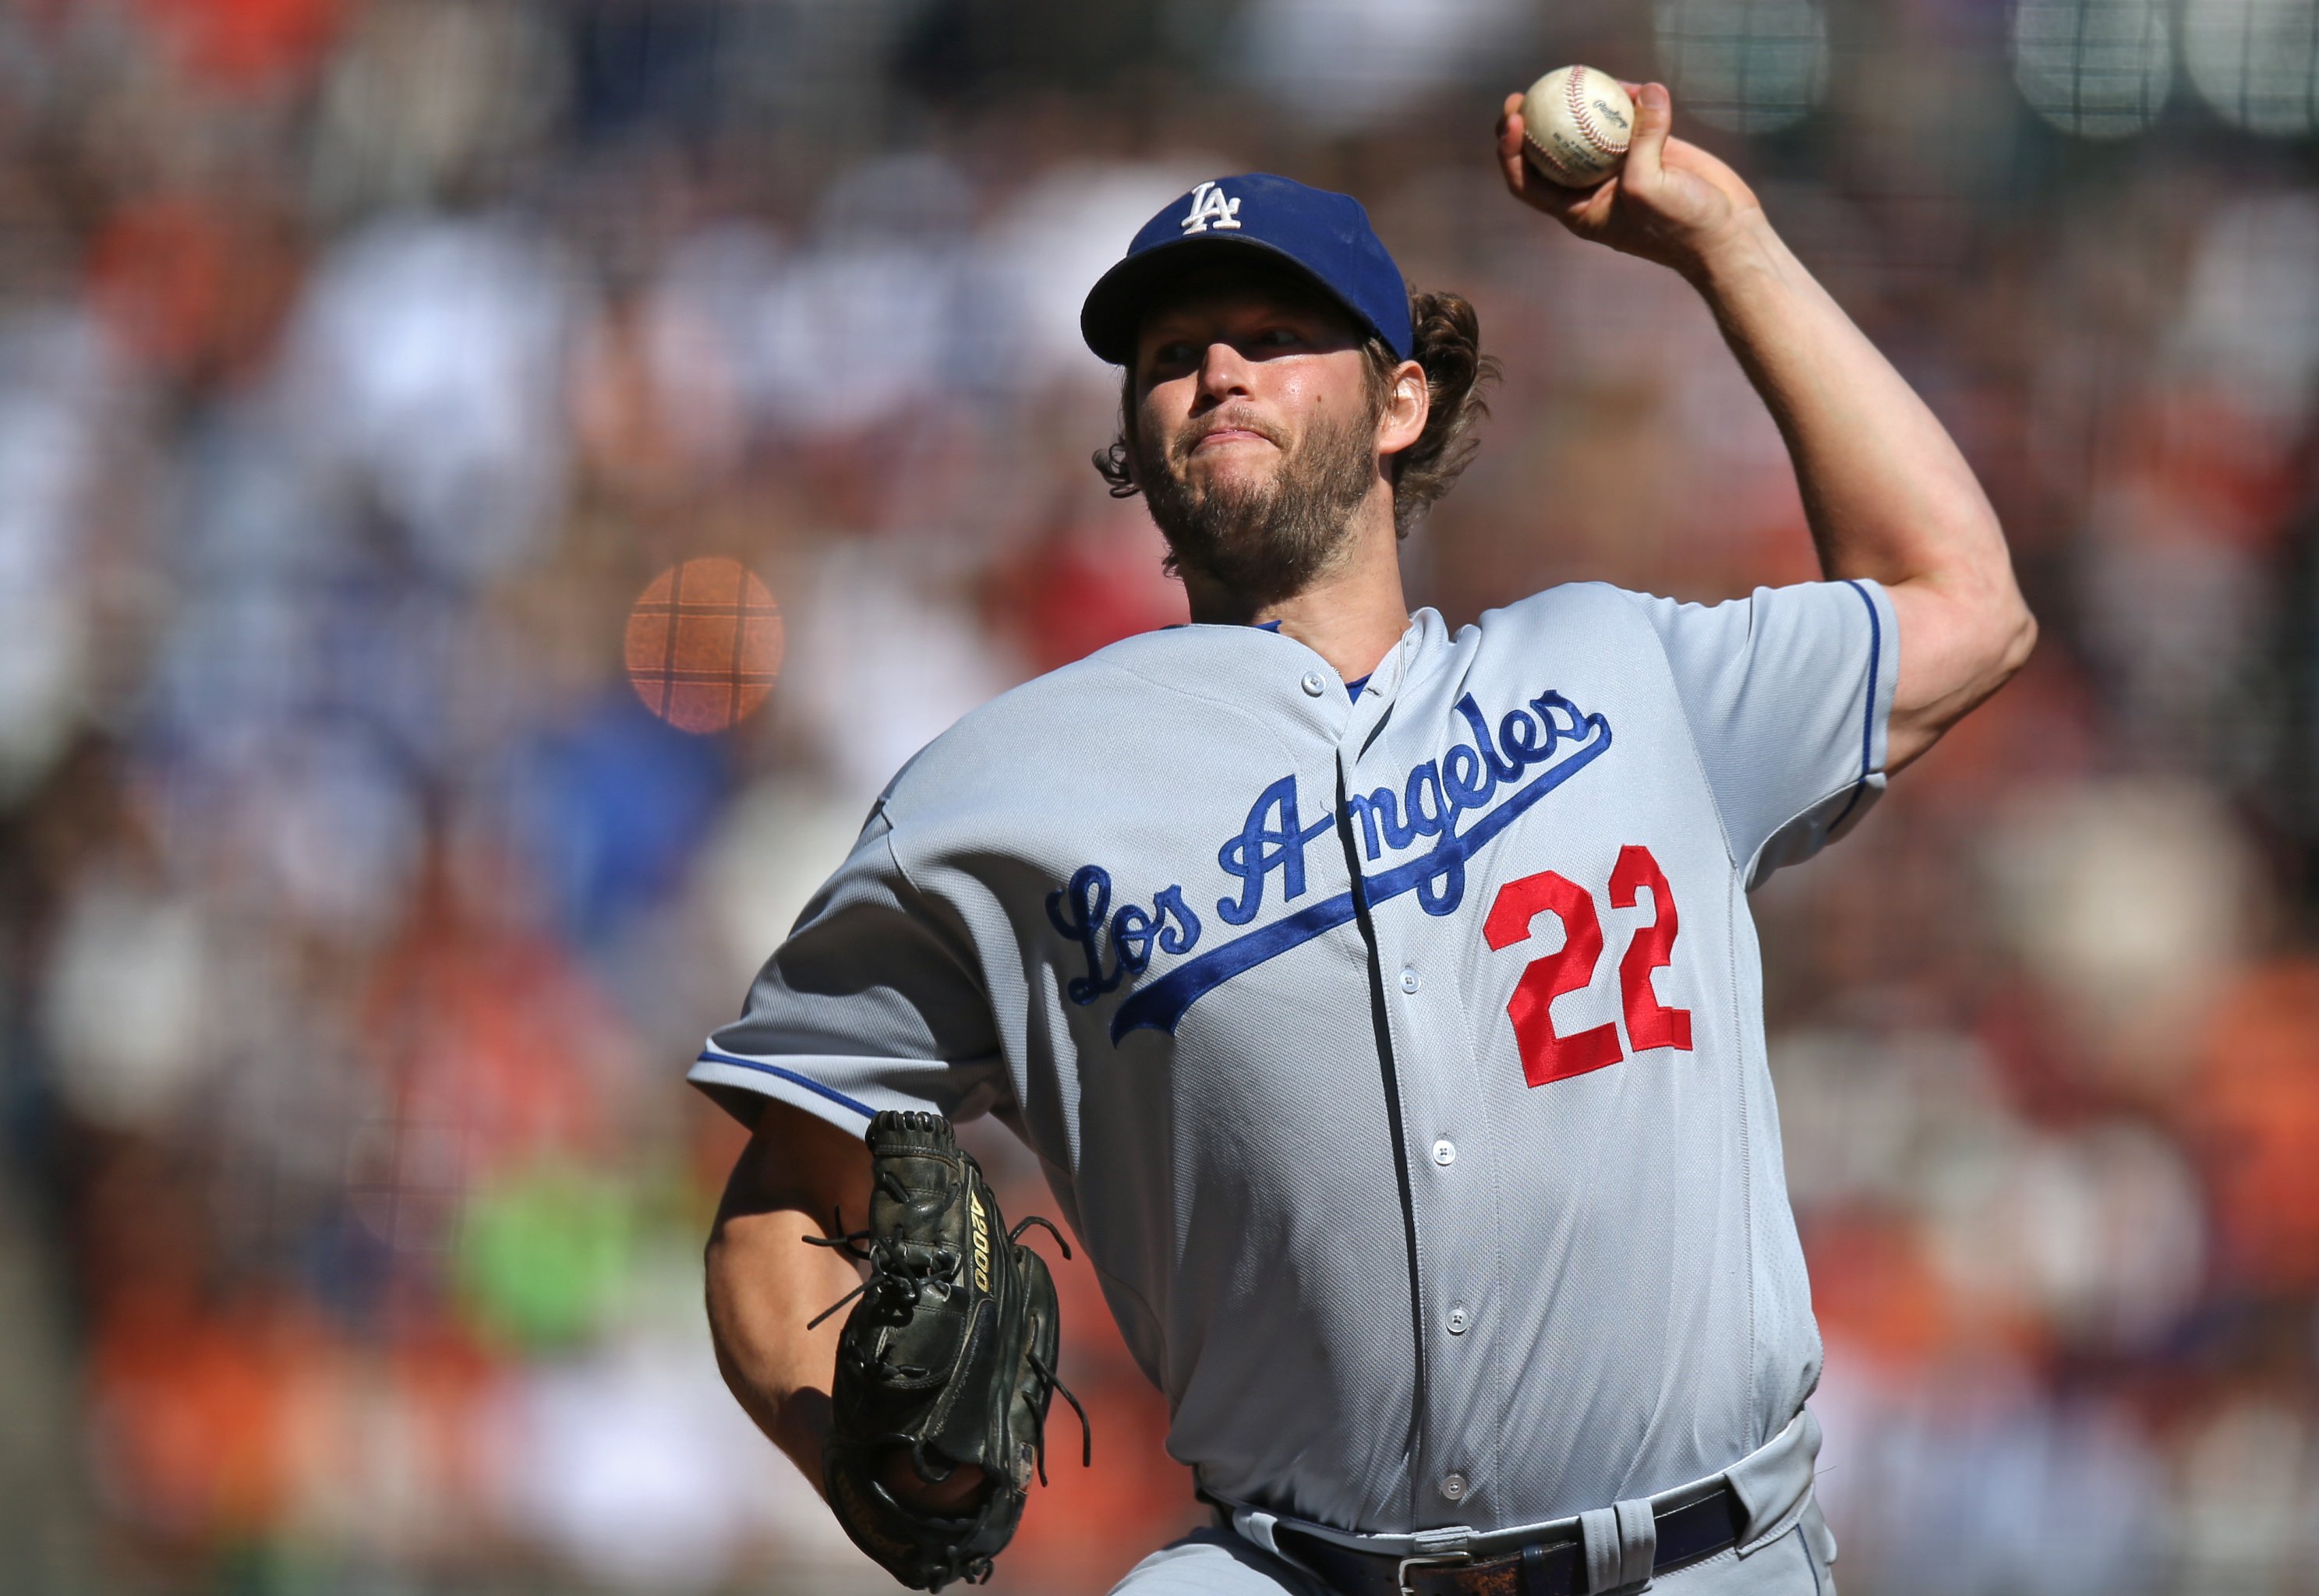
(1576, 123)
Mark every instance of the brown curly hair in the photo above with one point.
(1448, 346)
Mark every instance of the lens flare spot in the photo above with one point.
(704, 645)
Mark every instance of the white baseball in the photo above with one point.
(1576, 122)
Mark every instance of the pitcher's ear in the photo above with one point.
(1408, 403)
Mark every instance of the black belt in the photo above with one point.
(1555, 1567)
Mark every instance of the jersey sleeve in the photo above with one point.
(1788, 693)
(875, 1001)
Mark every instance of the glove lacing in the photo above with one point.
(900, 1272)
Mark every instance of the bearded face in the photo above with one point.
(1266, 536)
(1253, 462)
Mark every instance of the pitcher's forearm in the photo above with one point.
(764, 1283)
(799, 1176)
(1888, 493)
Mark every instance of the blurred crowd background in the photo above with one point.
(489, 490)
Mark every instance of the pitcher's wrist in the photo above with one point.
(1744, 252)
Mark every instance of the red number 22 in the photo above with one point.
(1650, 1024)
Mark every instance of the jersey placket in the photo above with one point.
(1447, 1154)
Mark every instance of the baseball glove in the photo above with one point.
(949, 1356)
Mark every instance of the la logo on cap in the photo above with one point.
(1210, 209)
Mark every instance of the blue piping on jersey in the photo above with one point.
(1868, 718)
(710, 1056)
(1161, 1005)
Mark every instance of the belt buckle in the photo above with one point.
(1432, 1560)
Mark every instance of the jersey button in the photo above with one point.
(1314, 686)
(1409, 981)
(1459, 1321)
(1453, 1486)
(1444, 1152)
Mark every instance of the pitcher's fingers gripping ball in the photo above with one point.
(946, 1363)
(1576, 125)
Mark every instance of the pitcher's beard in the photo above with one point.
(1266, 540)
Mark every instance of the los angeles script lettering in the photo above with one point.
(1432, 799)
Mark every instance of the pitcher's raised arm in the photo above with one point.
(1888, 494)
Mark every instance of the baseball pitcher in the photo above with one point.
(1382, 1002)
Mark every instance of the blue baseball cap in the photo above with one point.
(1322, 236)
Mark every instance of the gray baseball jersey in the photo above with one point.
(1398, 1056)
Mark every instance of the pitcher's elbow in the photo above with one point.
(2020, 640)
